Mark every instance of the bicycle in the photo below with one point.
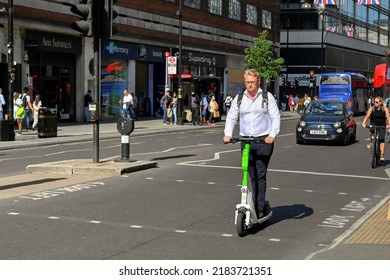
(245, 214)
(375, 151)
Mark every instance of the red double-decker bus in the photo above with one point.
(382, 80)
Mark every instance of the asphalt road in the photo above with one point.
(184, 209)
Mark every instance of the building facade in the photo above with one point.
(345, 37)
(52, 60)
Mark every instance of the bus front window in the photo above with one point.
(335, 80)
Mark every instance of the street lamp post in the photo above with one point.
(321, 10)
(11, 68)
(180, 88)
(287, 50)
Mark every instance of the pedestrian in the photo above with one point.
(213, 111)
(37, 104)
(27, 108)
(19, 112)
(306, 101)
(134, 107)
(203, 108)
(291, 103)
(87, 99)
(126, 103)
(379, 116)
(228, 102)
(174, 109)
(256, 120)
(296, 103)
(283, 100)
(164, 104)
(2, 103)
(195, 105)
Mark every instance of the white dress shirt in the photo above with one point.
(256, 118)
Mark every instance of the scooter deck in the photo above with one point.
(263, 219)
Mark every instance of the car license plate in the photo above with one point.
(318, 132)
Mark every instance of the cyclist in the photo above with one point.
(256, 120)
(379, 116)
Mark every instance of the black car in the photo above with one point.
(326, 120)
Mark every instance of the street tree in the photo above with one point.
(261, 57)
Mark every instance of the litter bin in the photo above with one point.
(5, 131)
(47, 122)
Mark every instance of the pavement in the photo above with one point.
(368, 239)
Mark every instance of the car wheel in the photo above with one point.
(352, 139)
(345, 140)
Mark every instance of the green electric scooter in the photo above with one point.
(245, 216)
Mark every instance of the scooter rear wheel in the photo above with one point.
(240, 226)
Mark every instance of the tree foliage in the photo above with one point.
(260, 57)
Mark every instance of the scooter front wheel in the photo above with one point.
(240, 225)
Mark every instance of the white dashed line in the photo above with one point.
(53, 218)
(13, 213)
(135, 226)
(95, 222)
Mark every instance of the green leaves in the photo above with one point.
(261, 57)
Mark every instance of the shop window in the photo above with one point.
(203, 71)
(235, 9)
(266, 19)
(193, 70)
(251, 14)
(192, 3)
(215, 7)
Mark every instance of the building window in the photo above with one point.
(266, 19)
(251, 14)
(215, 7)
(235, 9)
(192, 3)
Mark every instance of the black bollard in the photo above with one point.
(125, 126)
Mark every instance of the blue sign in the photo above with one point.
(128, 51)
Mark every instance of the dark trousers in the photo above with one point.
(260, 155)
(195, 115)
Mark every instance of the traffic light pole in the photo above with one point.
(96, 72)
(180, 98)
(11, 70)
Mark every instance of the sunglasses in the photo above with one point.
(377, 101)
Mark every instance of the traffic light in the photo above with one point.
(83, 10)
(312, 79)
(103, 14)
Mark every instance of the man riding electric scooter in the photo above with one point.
(259, 118)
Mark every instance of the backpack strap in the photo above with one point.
(264, 96)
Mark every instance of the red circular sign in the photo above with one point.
(167, 54)
(172, 59)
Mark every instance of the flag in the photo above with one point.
(369, 2)
(331, 28)
(324, 2)
(349, 31)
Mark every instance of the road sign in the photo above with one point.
(172, 65)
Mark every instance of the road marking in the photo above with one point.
(352, 229)
(53, 218)
(95, 222)
(198, 163)
(13, 213)
(274, 240)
